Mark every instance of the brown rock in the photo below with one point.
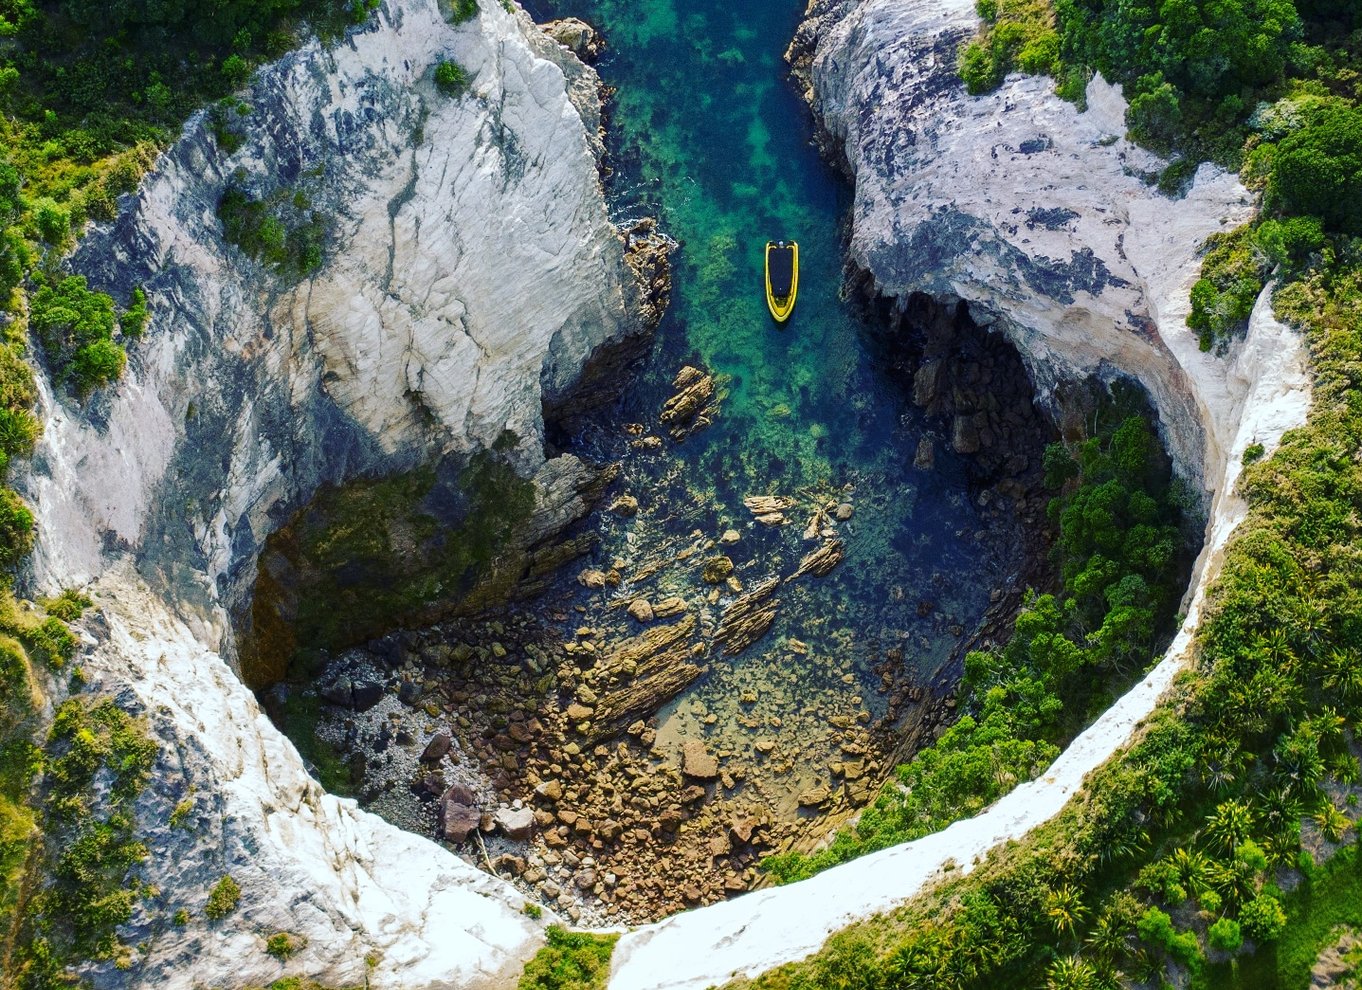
(591, 578)
(640, 610)
(625, 506)
(716, 569)
(550, 790)
(576, 36)
(668, 607)
(435, 750)
(641, 674)
(821, 561)
(697, 762)
(577, 712)
(814, 797)
(459, 813)
(925, 458)
(693, 405)
(748, 618)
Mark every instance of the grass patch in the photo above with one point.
(1326, 901)
(570, 961)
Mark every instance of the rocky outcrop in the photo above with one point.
(470, 273)
(1038, 218)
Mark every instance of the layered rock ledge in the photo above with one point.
(1041, 220)
(470, 274)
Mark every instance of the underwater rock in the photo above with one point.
(692, 406)
(667, 607)
(641, 674)
(844, 511)
(716, 570)
(820, 562)
(625, 506)
(765, 505)
(591, 578)
(925, 458)
(748, 618)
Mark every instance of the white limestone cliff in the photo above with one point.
(470, 272)
(1040, 218)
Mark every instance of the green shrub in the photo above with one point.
(53, 641)
(1232, 277)
(1317, 170)
(223, 899)
(1263, 918)
(1253, 453)
(283, 945)
(1293, 244)
(462, 10)
(179, 815)
(134, 319)
(275, 230)
(180, 919)
(69, 606)
(451, 77)
(1225, 935)
(16, 528)
(76, 328)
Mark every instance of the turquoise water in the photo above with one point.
(707, 134)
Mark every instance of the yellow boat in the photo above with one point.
(782, 278)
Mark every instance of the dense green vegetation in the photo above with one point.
(1193, 71)
(282, 230)
(1120, 552)
(570, 961)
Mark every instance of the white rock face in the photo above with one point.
(471, 270)
(1029, 212)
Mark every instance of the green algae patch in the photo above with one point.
(375, 554)
(570, 961)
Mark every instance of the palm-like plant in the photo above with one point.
(1332, 823)
(1229, 826)
(1064, 907)
(1343, 673)
(1107, 940)
(1071, 973)
(1193, 868)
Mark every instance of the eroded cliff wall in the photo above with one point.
(470, 272)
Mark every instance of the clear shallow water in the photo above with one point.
(708, 135)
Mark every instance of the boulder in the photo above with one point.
(367, 694)
(697, 762)
(515, 823)
(459, 813)
(625, 506)
(640, 610)
(435, 750)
